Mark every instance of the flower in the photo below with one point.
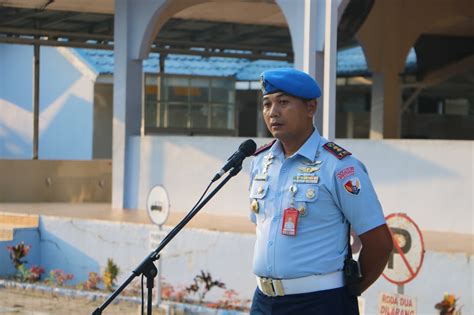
(448, 304)
(17, 253)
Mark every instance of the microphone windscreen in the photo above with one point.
(248, 147)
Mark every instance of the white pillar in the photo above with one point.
(136, 25)
(127, 101)
(330, 55)
(305, 20)
(377, 106)
(385, 115)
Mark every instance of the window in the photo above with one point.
(190, 105)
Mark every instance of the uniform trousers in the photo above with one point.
(327, 302)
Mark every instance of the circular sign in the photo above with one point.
(157, 205)
(408, 252)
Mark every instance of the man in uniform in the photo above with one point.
(305, 194)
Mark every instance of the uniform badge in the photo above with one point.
(261, 177)
(262, 84)
(348, 171)
(336, 150)
(311, 163)
(302, 209)
(254, 206)
(310, 193)
(309, 169)
(352, 185)
(305, 179)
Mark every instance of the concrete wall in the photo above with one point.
(66, 104)
(430, 180)
(16, 118)
(55, 181)
(81, 246)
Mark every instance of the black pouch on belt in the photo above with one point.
(352, 274)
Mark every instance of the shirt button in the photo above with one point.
(270, 243)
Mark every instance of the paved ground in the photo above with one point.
(26, 302)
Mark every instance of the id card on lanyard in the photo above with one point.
(290, 222)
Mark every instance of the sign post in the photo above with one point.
(158, 209)
(404, 262)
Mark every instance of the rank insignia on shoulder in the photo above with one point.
(264, 148)
(336, 150)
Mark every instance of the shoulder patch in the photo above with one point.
(264, 148)
(336, 150)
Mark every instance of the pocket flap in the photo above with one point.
(259, 189)
(306, 192)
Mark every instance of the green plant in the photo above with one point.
(110, 274)
(17, 253)
(23, 273)
(92, 282)
(203, 283)
(31, 275)
(58, 277)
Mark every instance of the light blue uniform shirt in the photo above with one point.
(343, 191)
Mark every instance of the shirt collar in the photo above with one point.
(307, 150)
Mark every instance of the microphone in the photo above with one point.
(247, 148)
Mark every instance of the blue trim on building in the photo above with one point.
(350, 62)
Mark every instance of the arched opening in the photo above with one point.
(203, 69)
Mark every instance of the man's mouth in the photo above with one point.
(276, 124)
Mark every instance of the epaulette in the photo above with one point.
(264, 148)
(336, 150)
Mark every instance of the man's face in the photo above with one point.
(288, 117)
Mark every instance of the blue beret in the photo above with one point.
(289, 81)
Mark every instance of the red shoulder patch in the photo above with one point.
(264, 148)
(336, 150)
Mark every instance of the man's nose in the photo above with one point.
(274, 111)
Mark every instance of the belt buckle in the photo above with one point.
(272, 287)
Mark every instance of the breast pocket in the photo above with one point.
(259, 189)
(258, 193)
(306, 193)
(305, 198)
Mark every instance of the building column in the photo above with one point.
(136, 25)
(306, 21)
(127, 101)
(385, 115)
(386, 42)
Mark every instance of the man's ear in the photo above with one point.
(311, 106)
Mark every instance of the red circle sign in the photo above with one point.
(408, 249)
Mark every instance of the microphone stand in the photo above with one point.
(147, 267)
